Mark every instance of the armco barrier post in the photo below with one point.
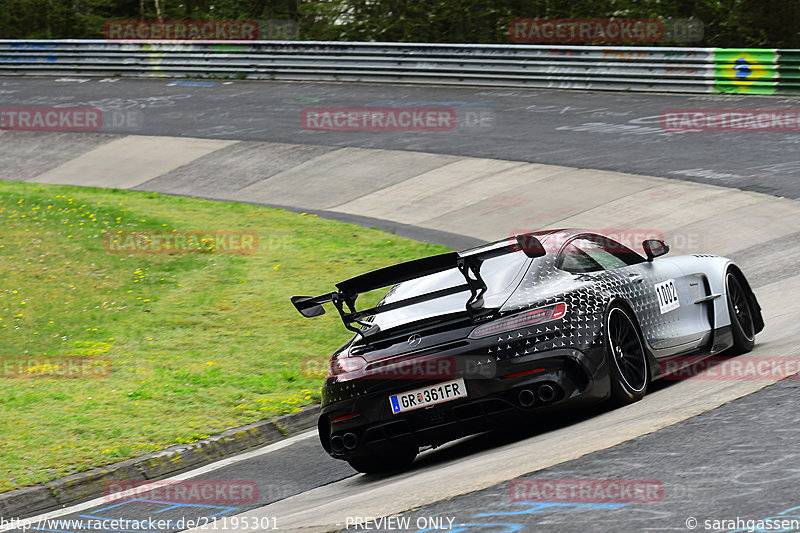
(789, 71)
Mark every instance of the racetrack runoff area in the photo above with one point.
(481, 198)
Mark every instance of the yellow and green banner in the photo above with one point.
(745, 70)
(756, 71)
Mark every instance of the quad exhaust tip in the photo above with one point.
(546, 393)
(350, 441)
(340, 443)
(526, 398)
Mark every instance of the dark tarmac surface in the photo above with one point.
(609, 131)
(740, 460)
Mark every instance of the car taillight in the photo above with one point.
(344, 365)
(345, 417)
(521, 320)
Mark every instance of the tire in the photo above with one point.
(741, 313)
(629, 370)
(392, 461)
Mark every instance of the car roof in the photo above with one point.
(543, 236)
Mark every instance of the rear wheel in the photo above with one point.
(627, 358)
(742, 326)
(391, 461)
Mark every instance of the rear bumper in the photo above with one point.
(569, 377)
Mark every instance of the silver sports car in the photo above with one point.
(464, 342)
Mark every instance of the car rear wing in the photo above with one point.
(468, 263)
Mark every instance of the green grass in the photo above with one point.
(195, 342)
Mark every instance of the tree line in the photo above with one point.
(726, 23)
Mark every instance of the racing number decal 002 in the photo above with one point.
(667, 296)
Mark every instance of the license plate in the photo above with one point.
(439, 393)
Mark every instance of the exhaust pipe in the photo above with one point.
(546, 393)
(350, 441)
(337, 444)
(526, 398)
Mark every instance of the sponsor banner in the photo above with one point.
(758, 119)
(586, 490)
(205, 492)
(741, 368)
(379, 119)
(60, 367)
(181, 242)
(179, 30)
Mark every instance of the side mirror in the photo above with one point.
(530, 245)
(654, 248)
(307, 307)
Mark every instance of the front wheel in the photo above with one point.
(627, 357)
(393, 460)
(742, 325)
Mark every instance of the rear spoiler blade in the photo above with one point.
(394, 274)
(468, 263)
(311, 306)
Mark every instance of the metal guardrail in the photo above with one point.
(661, 69)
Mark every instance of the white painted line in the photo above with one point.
(222, 463)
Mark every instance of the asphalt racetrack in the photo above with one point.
(520, 159)
(607, 131)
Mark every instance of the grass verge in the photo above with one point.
(178, 345)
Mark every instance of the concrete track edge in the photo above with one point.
(82, 486)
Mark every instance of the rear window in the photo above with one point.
(499, 273)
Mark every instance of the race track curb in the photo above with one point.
(83, 486)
